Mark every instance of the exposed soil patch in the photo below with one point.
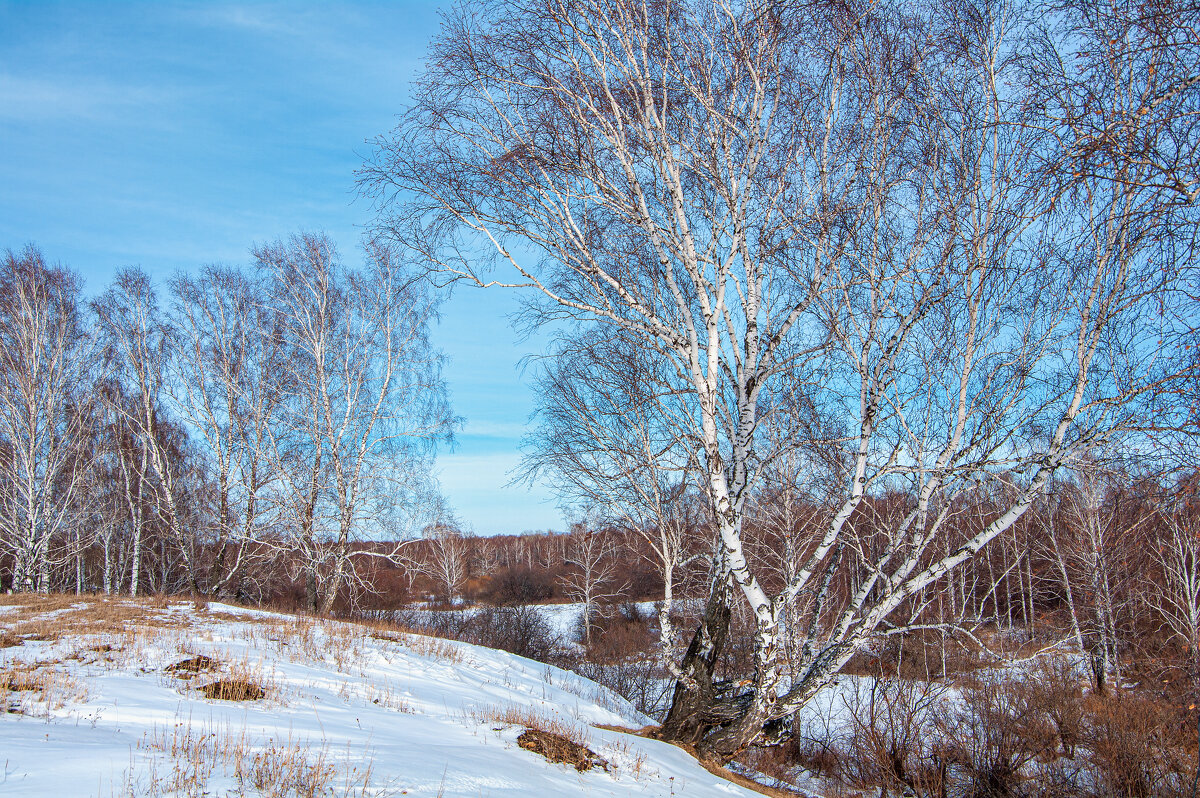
(233, 690)
(193, 665)
(559, 749)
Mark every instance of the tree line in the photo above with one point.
(229, 431)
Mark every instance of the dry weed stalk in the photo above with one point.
(38, 689)
(182, 761)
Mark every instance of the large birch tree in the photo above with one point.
(843, 202)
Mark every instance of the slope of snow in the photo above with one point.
(361, 712)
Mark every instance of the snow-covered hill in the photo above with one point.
(111, 698)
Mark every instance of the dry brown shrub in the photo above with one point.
(815, 756)
(620, 637)
(1139, 746)
(892, 741)
(998, 728)
(1054, 689)
(233, 689)
(8, 639)
(561, 750)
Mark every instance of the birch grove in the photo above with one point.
(283, 416)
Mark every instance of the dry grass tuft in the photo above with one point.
(193, 665)
(512, 715)
(554, 738)
(561, 750)
(36, 689)
(22, 680)
(233, 689)
(184, 759)
(435, 648)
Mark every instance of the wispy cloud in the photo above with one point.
(275, 20)
(29, 99)
(506, 430)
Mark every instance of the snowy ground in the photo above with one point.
(94, 709)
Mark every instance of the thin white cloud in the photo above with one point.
(495, 429)
(29, 99)
(273, 20)
(476, 471)
(477, 487)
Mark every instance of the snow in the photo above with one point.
(565, 619)
(385, 713)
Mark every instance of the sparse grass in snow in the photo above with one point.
(187, 761)
(38, 689)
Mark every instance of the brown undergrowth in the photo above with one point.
(52, 617)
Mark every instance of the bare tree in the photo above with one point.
(228, 386)
(1104, 537)
(137, 342)
(613, 441)
(444, 558)
(365, 394)
(1055, 545)
(765, 201)
(1176, 594)
(592, 576)
(44, 366)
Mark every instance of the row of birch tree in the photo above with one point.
(235, 426)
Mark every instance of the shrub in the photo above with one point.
(994, 731)
(892, 743)
(518, 586)
(1138, 747)
(620, 635)
(642, 682)
(520, 629)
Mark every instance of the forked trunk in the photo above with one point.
(689, 719)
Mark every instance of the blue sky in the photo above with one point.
(171, 135)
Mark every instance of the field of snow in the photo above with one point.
(111, 698)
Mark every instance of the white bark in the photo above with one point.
(45, 358)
